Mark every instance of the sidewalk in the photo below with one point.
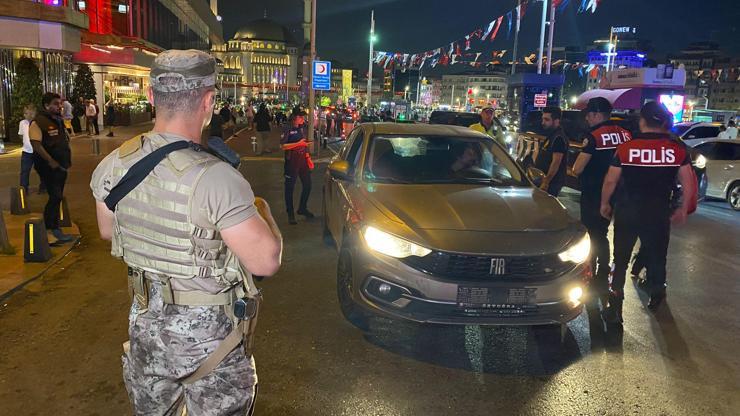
(15, 272)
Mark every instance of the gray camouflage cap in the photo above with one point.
(180, 70)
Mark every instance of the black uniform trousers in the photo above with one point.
(597, 227)
(653, 229)
(54, 179)
(296, 166)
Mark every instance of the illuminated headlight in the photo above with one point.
(575, 295)
(391, 245)
(700, 162)
(577, 253)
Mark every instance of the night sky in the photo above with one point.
(413, 26)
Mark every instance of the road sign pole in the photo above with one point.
(311, 92)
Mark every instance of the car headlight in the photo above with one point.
(700, 162)
(391, 245)
(577, 253)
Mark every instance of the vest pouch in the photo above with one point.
(116, 247)
(234, 272)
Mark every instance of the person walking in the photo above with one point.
(216, 126)
(731, 131)
(648, 166)
(298, 164)
(552, 158)
(97, 113)
(110, 116)
(591, 166)
(78, 113)
(262, 120)
(250, 116)
(91, 118)
(192, 235)
(67, 116)
(52, 157)
(29, 113)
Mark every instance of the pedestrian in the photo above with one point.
(226, 115)
(91, 118)
(262, 120)
(648, 166)
(67, 116)
(110, 116)
(329, 118)
(731, 130)
(552, 158)
(97, 113)
(723, 132)
(488, 126)
(78, 113)
(591, 166)
(29, 113)
(216, 126)
(52, 157)
(298, 164)
(192, 234)
(250, 116)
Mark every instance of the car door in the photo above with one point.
(722, 166)
(337, 201)
(701, 132)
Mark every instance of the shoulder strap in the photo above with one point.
(139, 171)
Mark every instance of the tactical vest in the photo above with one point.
(153, 230)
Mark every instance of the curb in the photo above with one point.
(53, 262)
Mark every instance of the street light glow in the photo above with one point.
(573, 99)
(373, 38)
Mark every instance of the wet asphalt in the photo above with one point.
(60, 337)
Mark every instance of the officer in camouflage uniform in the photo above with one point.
(192, 234)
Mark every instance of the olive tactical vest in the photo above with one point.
(153, 230)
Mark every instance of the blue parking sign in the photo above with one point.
(321, 75)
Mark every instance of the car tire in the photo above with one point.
(733, 196)
(702, 191)
(325, 233)
(347, 305)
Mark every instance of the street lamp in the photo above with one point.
(405, 93)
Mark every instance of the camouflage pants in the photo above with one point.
(167, 344)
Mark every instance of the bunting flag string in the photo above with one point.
(451, 54)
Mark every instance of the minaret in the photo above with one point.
(306, 21)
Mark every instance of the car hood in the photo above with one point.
(469, 207)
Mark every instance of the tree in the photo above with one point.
(27, 89)
(83, 84)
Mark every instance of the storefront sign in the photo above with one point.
(540, 100)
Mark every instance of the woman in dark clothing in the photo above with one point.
(262, 120)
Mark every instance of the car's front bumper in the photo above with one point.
(420, 297)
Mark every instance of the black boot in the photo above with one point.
(613, 313)
(656, 299)
(291, 219)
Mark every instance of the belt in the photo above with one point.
(139, 286)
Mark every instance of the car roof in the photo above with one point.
(422, 129)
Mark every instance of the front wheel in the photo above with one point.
(733, 196)
(345, 284)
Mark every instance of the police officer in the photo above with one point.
(649, 165)
(298, 164)
(52, 157)
(488, 125)
(552, 158)
(192, 234)
(591, 167)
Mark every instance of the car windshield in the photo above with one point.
(440, 159)
(680, 129)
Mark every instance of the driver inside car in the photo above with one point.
(465, 157)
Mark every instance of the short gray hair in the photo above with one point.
(184, 102)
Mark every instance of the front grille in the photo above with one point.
(471, 267)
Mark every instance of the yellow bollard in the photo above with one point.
(18, 201)
(64, 219)
(36, 245)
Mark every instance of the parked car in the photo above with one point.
(694, 133)
(438, 224)
(719, 159)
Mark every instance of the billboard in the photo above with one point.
(674, 104)
(346, 84)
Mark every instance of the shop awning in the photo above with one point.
(621, 99)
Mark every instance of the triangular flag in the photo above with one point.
(498, 26)
(488, 30)
(508, 20)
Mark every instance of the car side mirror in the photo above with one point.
(535, 175)
(339, 169)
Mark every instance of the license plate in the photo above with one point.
(484, 297)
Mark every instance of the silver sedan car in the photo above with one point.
(437, 224)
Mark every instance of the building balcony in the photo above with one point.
(44, 11)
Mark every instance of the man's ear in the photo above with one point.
(150, 95)
(209, 101)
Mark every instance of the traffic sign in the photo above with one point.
(321, 75)
(540, 100)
